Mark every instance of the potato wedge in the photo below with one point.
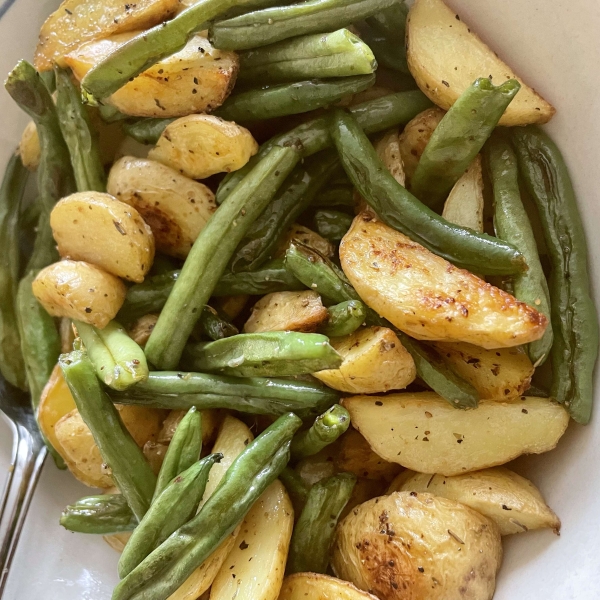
(140, 330)
(508, 499)
(426, 296)
(211, 419)
(99, 229)
(409, 545)
(255, 567)
(176, 208)
(314, 586)
(464, 205)
(445, 56)
(308, 237)
(199, 146)
(502, 374)
(29, 147)
(80, 291)
(196, 79)
(142, 422)
(374, 360)
(77, 21)
(423, 432)
(287, 311)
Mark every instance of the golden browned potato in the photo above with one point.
(508, 499)
(67, 335)
(364, 489)
(196, 79)
(80, 291)
(155, 454)
(306, 236)
(374, 360)
(445, 56)
(211, 419)
(314, 586)
(140, 329)
(287, 311)
(502, 374)
(231, 306)
(426, 296)
(77, 21)
(409, 545)
(199, 146)
(176, 208)
(464, 205)
(425, 433)
(29, 147)
(143, 423)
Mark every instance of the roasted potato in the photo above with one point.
(80, 291)
(464, 205)
(426, 296)
(77, 21)
(388, 150)
(255, 567)
(445, 56)
(425, 433)
(318, 466)
(409, 545)
(67, 335)
(199, 146)
(29, 147)
(287, 311)
(176, 208)
(99, 229)
(364, 489)
(140, 329)
(502, 374)
(308, 237)
(155, 454)
(314, 586)
(508, 499)
(230, 307)
(196, 79)
(211, 419)
(374, 360)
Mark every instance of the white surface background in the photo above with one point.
(554, 45)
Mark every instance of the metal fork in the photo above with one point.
(28, 455)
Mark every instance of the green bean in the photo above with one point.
(339, 195)
(110, 114)
(261, 396)
(344, 318)
(183, 451)
(399, 209)
(161, 573)
(313, 533)
(78, 134)
(573, 313)
(390, 54)
(296, 488)
(336, 54)
(332, 224)
(146, 131)
(293, 197)
(44, 247)
(104, 515)
(147, 297)
(269, 354)
(174, 507)
(163, 264)
(270, 25)
(214, 327)
(512, 225)
(12, 365)
(119, 362)
(372, 116)
(131, 472)
(210, 254)
(326, 429)
(49, 80)
(271, 277)
(459, 137)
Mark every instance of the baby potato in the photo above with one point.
(196, 79)
(409, 545)
(508, 499)
(211, 419)
(140, 329)
(155, 454)
(99, 229)
(306, 236)
(388, 150)
(80, 291)
(374, 360)
(464, 205)
(176, 208)
(199, 146)
(230, 307)
(314, 586)
(29, 147)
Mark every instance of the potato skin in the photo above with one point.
(464, 205)
(80, 291)
(308, 237)
(29, 147)
(409, 546)
(314, 586)
(99, 229)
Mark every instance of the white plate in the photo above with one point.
(554, 45)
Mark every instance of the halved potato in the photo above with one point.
(508, 499)
(428, 297)
(196, 79)
(77, 21)
(80, 291)
(363, 490)
(29, 147)
(308, 237)
(425, 433)
(314, 586)
(140, 329)
(445, 56)
(199, 146)
(374, 360)
(211, 419)
(464, 205)
(176, 208)
(100, 229)
(287, 311)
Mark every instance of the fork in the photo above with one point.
(27, 460)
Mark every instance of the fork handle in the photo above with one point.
(26, 469)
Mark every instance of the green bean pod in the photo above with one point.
(344, 318)
(512, 225)
(210, 254)
(389, 54)
(339, 195)
(130, 470)
(296, 488)
(104, 515)
(332, 224)
(313, 533)
(211, 325)
(147, 297)
(574, 317)
(146, 131)
(163, 571)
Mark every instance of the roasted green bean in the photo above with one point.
(104, 515)
(344, 318)
(296, 488)
(212, 326)
(339, 195)
(146, 131)
(332, 224)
